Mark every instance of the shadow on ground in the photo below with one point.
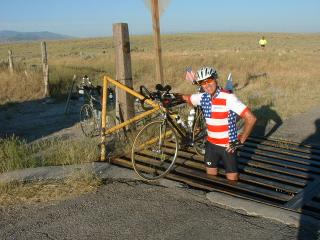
(268, 121)
(311, 196)
(36, 119)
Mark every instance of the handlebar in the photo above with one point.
(162, 94)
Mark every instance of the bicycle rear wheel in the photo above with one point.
(154, 150)
(88, 121)
(199, 134)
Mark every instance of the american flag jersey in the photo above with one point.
(205, 103)
(220, 111)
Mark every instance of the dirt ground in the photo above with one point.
(38, 119)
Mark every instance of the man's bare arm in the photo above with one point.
(186, 98)
(249, 121)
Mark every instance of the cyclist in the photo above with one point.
(262, 42)
(220, 108)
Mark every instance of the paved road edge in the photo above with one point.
(256, 209)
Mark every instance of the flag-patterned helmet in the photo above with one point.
(205, 73)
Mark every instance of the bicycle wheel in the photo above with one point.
(88, 121)
(110, 122)
(199, 133)
(154, 150)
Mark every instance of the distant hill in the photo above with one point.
(11, 36)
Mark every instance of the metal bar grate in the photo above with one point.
(281, 173)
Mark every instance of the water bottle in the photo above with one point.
(191, 117)
(110, 98)
(180, 122)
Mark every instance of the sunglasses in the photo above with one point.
(205, 82)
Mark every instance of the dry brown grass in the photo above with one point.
(17, 154)
(290, 61)
(20, 86)
(45, 191)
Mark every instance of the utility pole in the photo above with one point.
(156, 40)
(121, 42)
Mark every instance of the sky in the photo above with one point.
(94, 18)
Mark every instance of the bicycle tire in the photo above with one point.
(154, 150)
(88, 122)
(199, 133)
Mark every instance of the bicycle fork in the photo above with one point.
(162, 136)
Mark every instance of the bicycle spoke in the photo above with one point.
(87, 120)
(199, 134)
(150, 156)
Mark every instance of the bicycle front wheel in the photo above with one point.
(154, 150)
(199, 134)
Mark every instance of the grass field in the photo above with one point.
(290, 63)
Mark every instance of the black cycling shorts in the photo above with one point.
(215, 153)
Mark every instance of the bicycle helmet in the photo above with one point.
(205, 73)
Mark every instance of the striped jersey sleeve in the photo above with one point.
(195, 99)
(235, 105)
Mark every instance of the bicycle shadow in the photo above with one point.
(251, 77)
(268, 121)
(35, 119)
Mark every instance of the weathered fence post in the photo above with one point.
(45, 69)
(10, 61)
(121, 44)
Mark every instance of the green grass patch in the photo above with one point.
(16, 153)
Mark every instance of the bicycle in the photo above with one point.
(90, 111)
(197, 122)
(155, 147)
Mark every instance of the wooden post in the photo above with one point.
(156, 40)
(10, 61)
(45, 69)
(121, 44)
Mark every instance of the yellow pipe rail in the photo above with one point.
(105, 131)
(103, 119)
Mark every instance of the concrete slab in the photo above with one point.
(252, 208)
(102, 169)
